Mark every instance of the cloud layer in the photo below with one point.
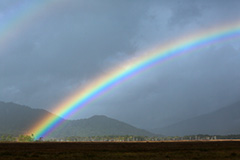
(66, 48)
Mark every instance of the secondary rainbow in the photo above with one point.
(129, 68)
(18, 19)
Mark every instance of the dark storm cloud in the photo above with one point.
(187, 86)
(65, 48)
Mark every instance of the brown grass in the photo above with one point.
(170, 150)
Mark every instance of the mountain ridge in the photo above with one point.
(17, 119)
(223, 121)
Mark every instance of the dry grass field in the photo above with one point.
(181, 150)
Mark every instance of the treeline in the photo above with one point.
(113, 138)
(209, 137)
(129, 138)
(20, 138)
(202, 137)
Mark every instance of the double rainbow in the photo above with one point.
(129, 68)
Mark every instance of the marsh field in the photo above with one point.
(186, 150)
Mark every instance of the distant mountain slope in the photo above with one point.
(222, 121)
(16, 119)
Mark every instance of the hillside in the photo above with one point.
(16, 119)
(98, 126)
(223, 121)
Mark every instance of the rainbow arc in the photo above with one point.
(129, 68)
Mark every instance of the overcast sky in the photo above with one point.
(66, 46)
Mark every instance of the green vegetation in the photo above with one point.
(7, 138)
(131, 138)
(114, 138)
(25, 138)
(20, 138)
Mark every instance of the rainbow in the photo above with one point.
(129, 68)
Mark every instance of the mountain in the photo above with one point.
(98, 125)
(222, 122)
(17, 119)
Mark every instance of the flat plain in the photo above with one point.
(171, 150)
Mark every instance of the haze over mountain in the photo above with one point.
(223, 122)
(17, 119)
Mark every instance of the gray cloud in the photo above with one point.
(65, 48)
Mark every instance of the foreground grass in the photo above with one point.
(190, 150)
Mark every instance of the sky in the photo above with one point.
(60, 48)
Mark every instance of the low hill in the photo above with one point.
(17, 119)
(224, 121)
(98, 125)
